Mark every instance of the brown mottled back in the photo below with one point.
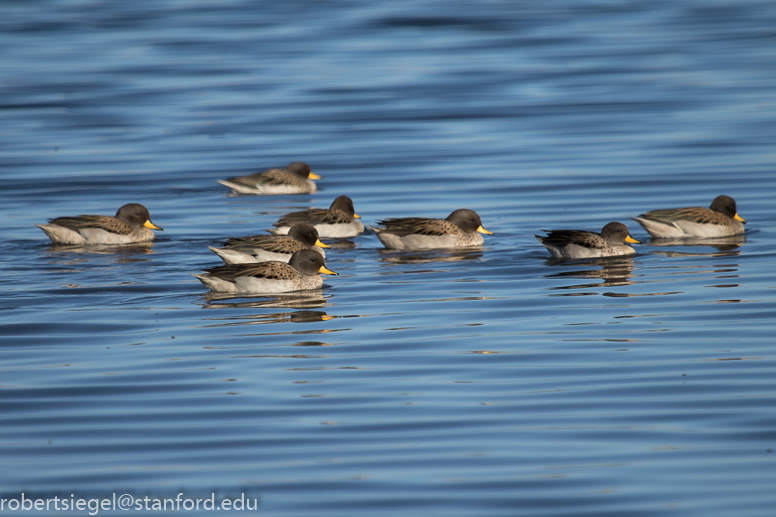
(300, 236)
(295, 173)
(341, 211)
(104, 222)
(272, 270)
(402, 226)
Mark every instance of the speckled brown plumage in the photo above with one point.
(341, 211)
(300, 236)
(721, 219)
(128, 218)
(459, 229)
(336, 222)
(301, 272)
(295, 173)
(105, 222)
(418, 225)
(462, 220)
(584, 244)
(295, 178)
(582, 238)
(274, 270)
(132, 223)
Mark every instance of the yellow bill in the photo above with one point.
(149, 224)
(327, 271)
(483, 230)
(320, 244)
(739, 218)
(631, 240)
(313, 176)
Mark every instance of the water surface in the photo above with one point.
(491, 381)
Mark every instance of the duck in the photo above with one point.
(574, 244)
(302, 272)
(131, 224)
(295, 178)
(336, 222)
(721, 219)
(262, 248)
(461, 229)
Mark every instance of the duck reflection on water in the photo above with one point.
(723, 245)
(312, 299)
(615, 271)
(429, 256)
(301, 316)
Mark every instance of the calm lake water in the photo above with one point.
(485, 382)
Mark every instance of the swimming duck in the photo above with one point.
(132, 223)
(721, 219)
(293, 179)
(261, 248)
(301, 272)
(575, 244)
(336, 222)
(460, 229)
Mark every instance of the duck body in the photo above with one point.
(336, 222)
(721, 219)
(461, 229)
(246, 279)
(302, 272)
(263, 248)
(293, 179)
(131, 224)
(576, 244)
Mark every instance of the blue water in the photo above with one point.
(491, 381)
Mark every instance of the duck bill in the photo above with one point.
(739, 218)
(356, 216)
(313, 176)
(631, 240)
(327, 271)
(149, 224)
(320, 244)
(483, 230)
